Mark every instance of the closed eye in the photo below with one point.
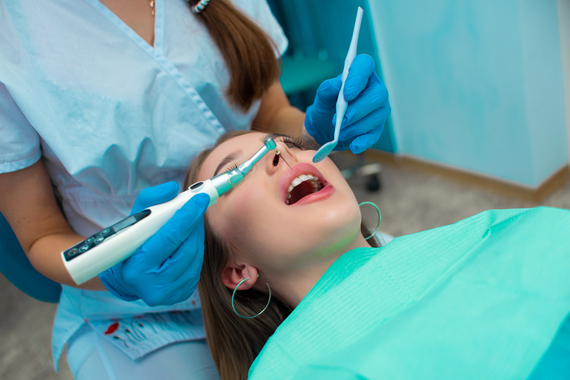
(292, 142)
(233, 165)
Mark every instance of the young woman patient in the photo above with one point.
(476, 299)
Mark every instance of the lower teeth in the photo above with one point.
(317, 186)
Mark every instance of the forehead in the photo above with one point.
(243, 146)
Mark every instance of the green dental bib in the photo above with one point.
(480, 299)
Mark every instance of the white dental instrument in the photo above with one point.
(341, 103)
(113, 244)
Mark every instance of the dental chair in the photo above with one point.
(305, 65)
(16, 267)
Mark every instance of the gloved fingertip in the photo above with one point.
(202, 200)
(351, 92)
(166, 187)
(167, 190)
(357, 147)
(360, 71)
(170, 189)
(364, 62)
(329, 89)
(172, 186)
(336, 81)
(354, 87)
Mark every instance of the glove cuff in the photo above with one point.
(108, 279)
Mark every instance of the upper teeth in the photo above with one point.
(302, 178)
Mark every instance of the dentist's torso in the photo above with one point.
(111, 115)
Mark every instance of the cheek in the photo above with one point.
(242, 218)
(261, 230)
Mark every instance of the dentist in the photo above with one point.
(103, 103)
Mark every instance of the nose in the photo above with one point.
(276, 158)
(283, 159)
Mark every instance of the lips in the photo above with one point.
(298, 170)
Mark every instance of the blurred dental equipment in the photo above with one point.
(113, 244)
(341, 103)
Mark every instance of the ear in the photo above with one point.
(233, 274)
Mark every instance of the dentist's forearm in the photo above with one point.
(277, 115)
(45, 257)
(28, 203)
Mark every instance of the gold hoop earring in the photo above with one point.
(379, 217)
(234, 306)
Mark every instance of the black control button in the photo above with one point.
(89, 241)
(72, 252)
(99, 239)
(83, 248)
(106, 231)
(196, 185)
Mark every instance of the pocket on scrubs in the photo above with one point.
(92, 358)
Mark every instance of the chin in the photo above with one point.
(341, 214)
(339, 226)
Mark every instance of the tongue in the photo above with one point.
(300, 191)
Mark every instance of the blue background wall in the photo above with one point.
(476, 85)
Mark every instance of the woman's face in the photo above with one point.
(265, 228)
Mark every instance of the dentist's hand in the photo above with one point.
(164, 270)
(367, 110)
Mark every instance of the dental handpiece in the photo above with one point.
(116, 243)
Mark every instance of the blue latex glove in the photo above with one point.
(164, 270)
(368, 108)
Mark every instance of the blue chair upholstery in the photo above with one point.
(299, 75)
(16, 267)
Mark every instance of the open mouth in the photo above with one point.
(301, 186)
(302, 182)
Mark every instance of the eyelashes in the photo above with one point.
(233, 165)
(292, 142)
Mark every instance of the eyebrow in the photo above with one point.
(236, 154)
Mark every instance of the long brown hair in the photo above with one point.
(249, 52)
(234, 341)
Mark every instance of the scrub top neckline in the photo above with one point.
(157, 46)
(157, 54)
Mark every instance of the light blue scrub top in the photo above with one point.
(111, 115)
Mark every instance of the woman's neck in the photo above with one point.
(292, 288)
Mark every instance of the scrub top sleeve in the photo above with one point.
(19, 141)
(260, 12)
